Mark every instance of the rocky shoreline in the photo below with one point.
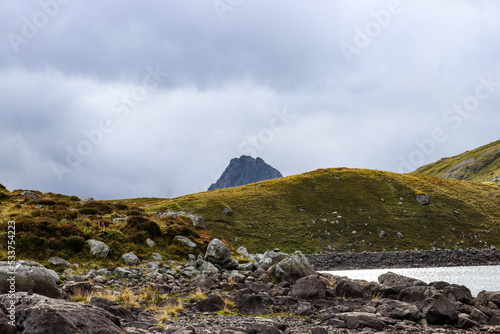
(405, 259)
(274, 293)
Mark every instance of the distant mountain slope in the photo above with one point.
(481, 164)
(245, 170)
(347, 209)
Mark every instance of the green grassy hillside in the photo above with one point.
(335, 209)
(481, 164)
(345, 209)
(59, 225)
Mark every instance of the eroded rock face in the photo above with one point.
(40, 314)
(245, 170)
(30, 276)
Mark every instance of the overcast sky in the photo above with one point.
(120, 99)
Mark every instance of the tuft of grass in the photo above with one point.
(127, 298)
(199, 295)
(169, 311)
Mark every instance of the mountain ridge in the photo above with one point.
(245, 170)
(481, 164)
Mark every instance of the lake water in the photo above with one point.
(476, 278)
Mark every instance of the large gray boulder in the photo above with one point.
(291, 268)
(29, 276)
(270, 258)
(439, 310)
(130, 259)
(217, 252)
(399, 282)
(98, 248)
(310, 287)
(40, 314)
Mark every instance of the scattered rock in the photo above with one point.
(227, 211)
(156, 257)
(291, 268)
(87, 200)
(98, 248)
(310, 287)
(439, 310)
(131, 259)
(40, 314)
(150, 242)
(242, 251)
(59, 262)
(271, 257)
(400, 235)
(382, 235)
(185, 241)
(29, 276)
(30, 195)
(217, 252)
(213, 303)
(422, 199)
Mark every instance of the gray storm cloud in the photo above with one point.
(126, 99)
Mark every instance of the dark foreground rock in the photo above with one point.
(230, 301)
(405, 259)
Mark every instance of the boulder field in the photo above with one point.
(272, 293)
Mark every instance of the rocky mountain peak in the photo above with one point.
(245, 170)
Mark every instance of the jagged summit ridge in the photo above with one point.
(245, 170)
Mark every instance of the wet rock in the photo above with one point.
(98, 248)
(439, 310)
(291, 268)
(465, 322)
(454, 292)
(485, 297)
(29, 276)
(399, 282)
(396, 309)
(112, 307)
(258, 328)
(310, 287)
(251, 305)
(217, 252)
(417, 294)
(213, 303)
(346, 288)
(355, 320)
(39, 314)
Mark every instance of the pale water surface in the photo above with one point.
(476, 278)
